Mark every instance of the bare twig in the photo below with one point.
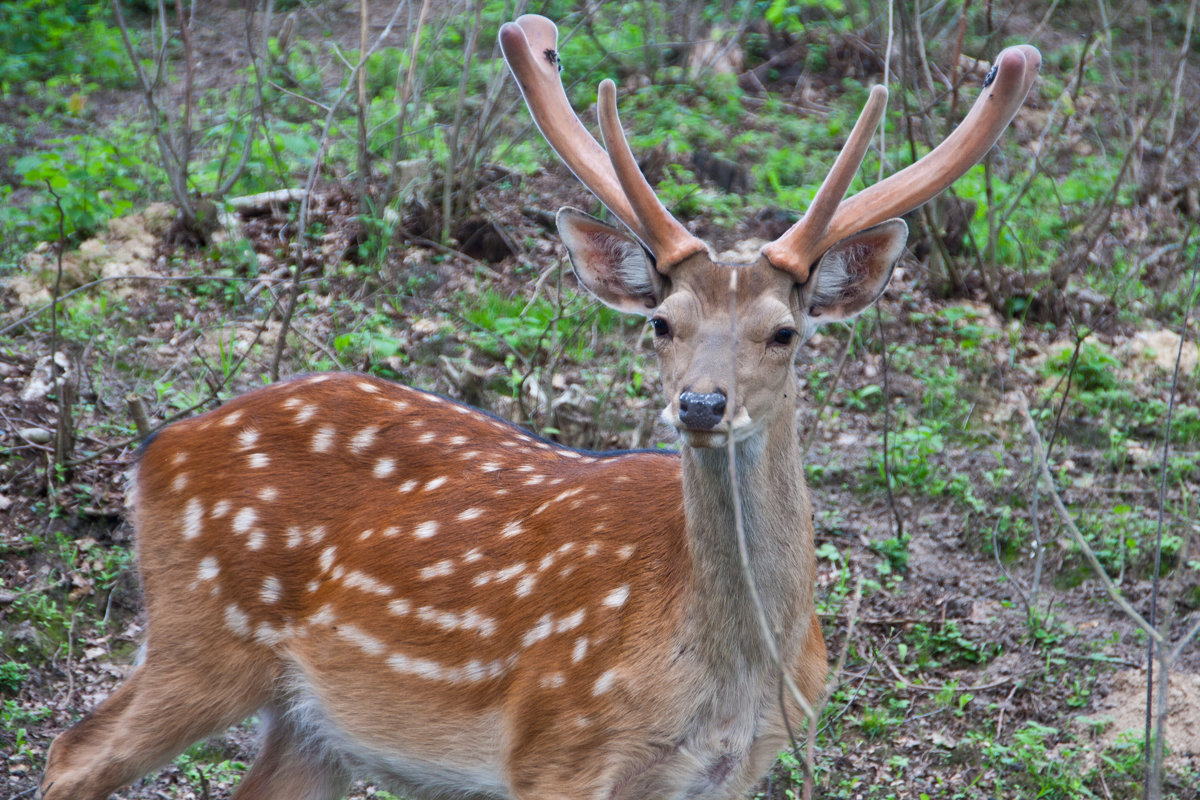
(1069, 524)
(404, 95)
(214, 391)
(810, 745)
(451, 176)
(887, 424)
(843, 352)
(109, 278)
(1164, 166)
(740, 528)
(301, 247)
(1154, 763)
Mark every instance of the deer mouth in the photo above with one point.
(741, 427)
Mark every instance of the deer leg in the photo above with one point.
(157, 713)
(291, 767)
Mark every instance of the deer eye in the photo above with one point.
(661, 328)
(784, 336)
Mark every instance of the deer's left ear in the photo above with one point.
(853, 273)
(612, 264)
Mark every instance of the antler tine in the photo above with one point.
(665, 236)
(789, 252)
(530, 46)
(1004, 93)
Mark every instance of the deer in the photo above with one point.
(405, 587)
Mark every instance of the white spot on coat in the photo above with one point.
(236, 620)
(271, 590)
(554, 680)
(267, 636)
(541, 630)
(365, 641)
(247, 438)
(326, 559)
(193, 518)
(421, 667)
(323, 616)
(209, 569)
(363, 439)
(570, 622)
(258, 460)
(604, 682)
(525, 585)
(400, 607)
(244, 520)
(438, 570)
(470, 620)
(363, 581)
(617, 597)
(426, 529)
(323, 439)
(385, 467)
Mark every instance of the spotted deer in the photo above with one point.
(403, 586)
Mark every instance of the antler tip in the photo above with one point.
(1020, 61)
(511, 35)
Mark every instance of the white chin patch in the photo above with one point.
(704, 439)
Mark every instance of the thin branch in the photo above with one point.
(1065, 516)
(740, 529)
(91, 284)
(837, 378)
(1154, 765)
(887, 424)
(302, 223)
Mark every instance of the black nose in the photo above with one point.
(701, 411)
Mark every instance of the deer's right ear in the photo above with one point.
(611, 263)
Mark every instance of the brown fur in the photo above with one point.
(201, 675)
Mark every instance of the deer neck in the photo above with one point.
(777, 522)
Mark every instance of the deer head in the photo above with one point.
(831, 265)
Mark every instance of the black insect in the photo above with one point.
(552, 58)
(991, 76)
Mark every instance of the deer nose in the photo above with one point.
(701, 411)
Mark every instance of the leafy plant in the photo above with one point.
(43, 38)
(12, 675)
